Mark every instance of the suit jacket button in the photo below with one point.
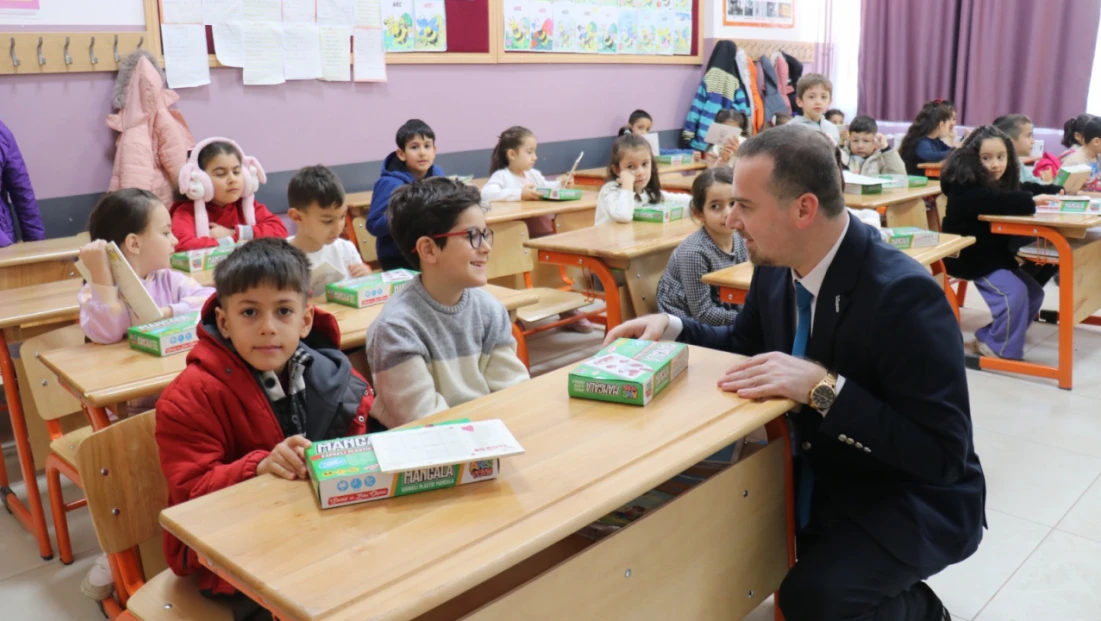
(867, 450)
(842, 437)
(805, 446)
(859, 445)
(850, 441)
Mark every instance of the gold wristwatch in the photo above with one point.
(824, 393)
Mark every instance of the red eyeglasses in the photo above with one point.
(475, 236)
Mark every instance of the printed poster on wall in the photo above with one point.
(682, 33)
(542, 26)
(607, 29)
(517, 25)
(431, 20)
(664, 37)
(760, 13)
(628, 30)
(647, 32)
(399, 32)
(586, 29)
(565, 27)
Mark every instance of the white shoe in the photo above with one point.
(98, 584)
(984, 349)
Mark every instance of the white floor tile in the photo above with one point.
(967, 587)
(51, 592)
(1084, 519)
(1059, 581)
(764, 612)
(1087, 359)
(1032, 481)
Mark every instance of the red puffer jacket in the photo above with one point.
(215, 423)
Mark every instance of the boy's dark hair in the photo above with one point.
(832, 112)
(811, 80)
(863, 124)
(426, 208)
(414, 128)
(122, 212)
(730, 114)
(1077, 125)
(964, 166)
(931, 115)
(803, 161)
(315, 184)
(268, 261)
(639, 114)
(703, 183)
(509, 139)
(630, 142)
(1012, 124)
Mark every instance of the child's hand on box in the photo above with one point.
(217, 231)
(359, 269)
(1043, 199)
(529, 193)
(94, 256)
(287, 460)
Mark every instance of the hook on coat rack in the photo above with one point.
(41, 58)
(116, 50)
(92, 52)
(68, 59)
(140, 42)
(14, 58)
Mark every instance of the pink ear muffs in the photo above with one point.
(196, 185)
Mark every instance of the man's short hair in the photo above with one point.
(811, 80)
(270, 261)
(426, 208)
(804, 161)
(315, 184)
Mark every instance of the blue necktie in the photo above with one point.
(803, 299)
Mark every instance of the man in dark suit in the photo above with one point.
(889, 488)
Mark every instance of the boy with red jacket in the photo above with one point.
(266, 378)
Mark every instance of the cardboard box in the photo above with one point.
(629, 371)
(201, 260)
(556, 194)
(861, 184)
(352, 470)
(1071, 204)
(368, 290)
(165, 337)
(904, 181)
(659, 213)
(1072, 178)
(906, 237)
(467, 179)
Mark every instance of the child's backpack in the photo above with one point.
(1047, 167)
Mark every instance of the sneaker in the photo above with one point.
(99, 584)
(582, 326)
(984, 350)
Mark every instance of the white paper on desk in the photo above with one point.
(185, 59)
(299, 11)
(443, 445)
(718, 133)
(652, 138)
(336, 54)
(182, 11)
(229, 43)
(851, 177)
(301, 51)
(131, 290)
(263, 10)
(322, 274)
(336, 12)
(369, 13)
(221, 11)
(263, 53)
(370, 58)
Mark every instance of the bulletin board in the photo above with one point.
(83, 36)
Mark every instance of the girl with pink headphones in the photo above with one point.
(219, 182)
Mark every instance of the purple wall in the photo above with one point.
(59, 120)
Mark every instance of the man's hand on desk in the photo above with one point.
(773, 375)
(649, 328)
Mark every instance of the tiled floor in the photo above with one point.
(1040, 447)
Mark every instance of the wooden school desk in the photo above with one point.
(33, 263)
(714, 552)
(931, 169)
(1079, 285)
(733, 282)
(103, 376)
(903, 206)
(25, 312)
(599, 176)
(640, 249)
(679, 181)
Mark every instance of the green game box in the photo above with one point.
(345, 472)
(200, 260)
(904, 181)
(629, 371)
(368, 290)
(1070, 204)
(165, 337)
(659, 213)
(906, 237)
(675, 159)
(556, 194)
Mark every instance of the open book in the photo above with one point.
(131, 290)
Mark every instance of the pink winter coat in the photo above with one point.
(153, 140)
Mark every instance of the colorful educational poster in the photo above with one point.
(663, 4)
(628, 30)
(682, 6)
(431, 20)
(565, 27)
(647, 32)
(663, 36)
(629, 4)
(586, 29)
(542, 26)
(645, 4)
(682, 33)
(397, 25)
(517, 25)
(607, 29)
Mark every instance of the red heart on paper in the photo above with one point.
(467, 427)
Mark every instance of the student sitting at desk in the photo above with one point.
(219, 173)
(867, 152)
(316, 199)
(981, 178)
(632, 182)
(931, 137)
(441, 341)
(639, 122)
(266, 379)
(814, 92)
(414, 159)
(1073, 134)
(1089, 154)
(681, 290)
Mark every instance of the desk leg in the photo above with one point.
(33, 518)
(908, 213)
(938, 268)
(777, 430)
(612, 310)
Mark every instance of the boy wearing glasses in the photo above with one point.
(442, 340)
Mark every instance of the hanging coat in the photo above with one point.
(775, 103)
(795, 71)
(720, 88)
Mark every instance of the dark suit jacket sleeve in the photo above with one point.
(922, 423)
(745, 336)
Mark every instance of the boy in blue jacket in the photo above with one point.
(413, 160)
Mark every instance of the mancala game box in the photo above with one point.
(629, 371)
(165, 337)
(368, 290)
(200, 260)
